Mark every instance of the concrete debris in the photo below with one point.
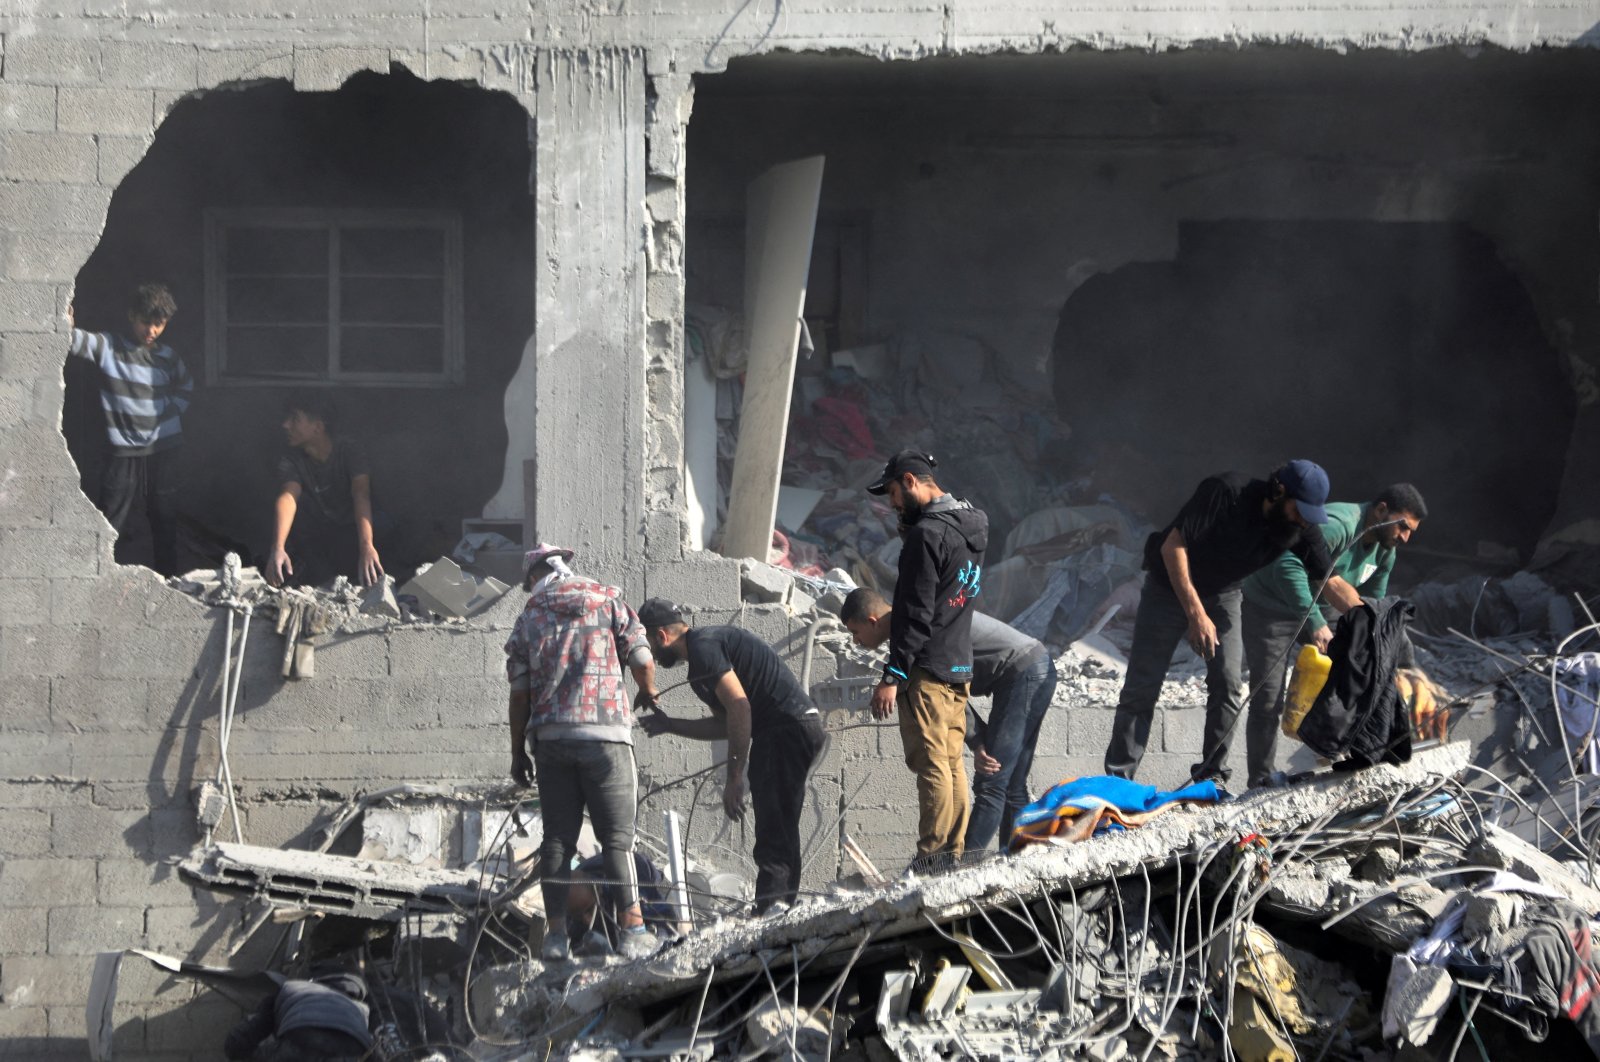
(1415, 1001)
(443, 589)
(379, 599)
(763, 583)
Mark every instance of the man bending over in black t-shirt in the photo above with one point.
(769, 722)
(322, 519)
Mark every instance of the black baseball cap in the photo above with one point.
(659, 612)
(914, 461)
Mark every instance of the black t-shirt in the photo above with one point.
(1228, 536)
(325, 485)
(775, 694)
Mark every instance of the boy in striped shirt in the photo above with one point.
(144, 390)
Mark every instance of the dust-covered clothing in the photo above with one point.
(1228, 536)
(144, 391)
(568, 650)
(325, 1017)
(325, 485)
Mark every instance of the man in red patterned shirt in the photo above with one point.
(569, 703)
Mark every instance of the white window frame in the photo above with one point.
(217, 223)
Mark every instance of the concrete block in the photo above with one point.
(326, 69)
(18, 1026)
(117, 156)
(220, 66)
(30, 355)
(45, 793)
(39, 60)
(44, 882)
(92, 831)
(155, 885)
(149, 64)
(54, 258)
(764, 583)
(364, 656)
(174, 930)
(27, 834)
(23, 602)
(281, 825)
(23, 929)
(30, 107)
(700, 581)
(85, 703)
(46, 650)
(166, 100)
(25, 702)
(27, 307)
(42, 980)
(1183, 730)
(151, 653)
(87, 930)
(421, 652)
(174, 1033)
(67, 157)
(105, 110)
(54, 553)
(51, 208)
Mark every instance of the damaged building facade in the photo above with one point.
(1155, 243)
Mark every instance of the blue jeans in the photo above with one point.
(1010, 737)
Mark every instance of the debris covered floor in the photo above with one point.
(1396, 912)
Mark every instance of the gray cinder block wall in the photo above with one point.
(108, 680)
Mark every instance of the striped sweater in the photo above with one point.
(143, 391)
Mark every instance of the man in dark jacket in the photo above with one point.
(1232, 526)
(930, 644)
(323, 1019)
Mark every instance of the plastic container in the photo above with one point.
(1310, 675)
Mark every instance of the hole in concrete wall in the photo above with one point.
(1331, 225)
(373, 245)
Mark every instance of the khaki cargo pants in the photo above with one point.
(933, 726)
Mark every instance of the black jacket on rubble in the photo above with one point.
(1359, 715)
(941, 571)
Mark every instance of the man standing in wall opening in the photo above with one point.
(773, 731)
(322, 522)
(930, 645)
(569, 701)
(144, 392)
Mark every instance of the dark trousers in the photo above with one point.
(152, 479)
(1157, 629)
(1010, 737)
(781, 757)
(1269, 639)
(600, 776)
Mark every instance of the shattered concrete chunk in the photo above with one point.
(378, 599)
(763, 583)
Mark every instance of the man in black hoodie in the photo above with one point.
(930, 645)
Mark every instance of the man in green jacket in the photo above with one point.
(1281, 610)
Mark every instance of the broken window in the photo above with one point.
(336, 296)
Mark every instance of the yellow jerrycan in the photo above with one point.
(1310, 675)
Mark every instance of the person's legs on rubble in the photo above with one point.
(1158, 627)
(1017, 795)
(932, 719)
(1224, 672)
(1269, 637)
(557, 774)
(780, 760)
(610, 781)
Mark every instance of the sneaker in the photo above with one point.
(594, 945)
(556, 948)
(637, 942)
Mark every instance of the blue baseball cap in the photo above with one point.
(1307, 484)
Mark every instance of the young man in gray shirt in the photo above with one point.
(1017, 672)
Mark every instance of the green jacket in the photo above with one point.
(1283, 587)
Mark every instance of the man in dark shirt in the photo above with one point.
(930, 645)
(322, 520)
(768, 721)
(1232, 526)
(1008, 666)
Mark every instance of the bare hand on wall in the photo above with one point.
(279, 567)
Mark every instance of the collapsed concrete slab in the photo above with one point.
(315, 881)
